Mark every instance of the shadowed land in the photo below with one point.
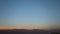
(34, 31)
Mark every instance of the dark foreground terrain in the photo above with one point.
(29, 32)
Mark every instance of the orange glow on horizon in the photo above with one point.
(28, 28)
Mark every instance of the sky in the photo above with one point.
(29, 13)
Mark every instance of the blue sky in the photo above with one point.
(29, 12)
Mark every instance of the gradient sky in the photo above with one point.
(29, 13)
